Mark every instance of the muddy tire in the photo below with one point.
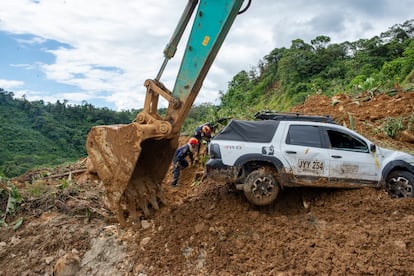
(261, 187)
(400, 184)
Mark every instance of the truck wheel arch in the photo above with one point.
(253, 157)
(244, 163)
(396, 165)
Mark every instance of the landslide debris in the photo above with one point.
(208, 228)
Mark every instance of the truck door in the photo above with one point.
(307, 155)
(351, 160)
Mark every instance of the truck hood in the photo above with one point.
(388, 154)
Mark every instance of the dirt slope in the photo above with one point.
(209, 228)
(370, 115)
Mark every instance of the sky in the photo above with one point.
(101, 52)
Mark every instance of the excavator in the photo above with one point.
(132, 159)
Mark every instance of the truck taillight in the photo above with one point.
(214, 151)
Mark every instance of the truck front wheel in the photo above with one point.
(400, 184)
(261, 187)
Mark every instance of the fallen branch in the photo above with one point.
(66, 173)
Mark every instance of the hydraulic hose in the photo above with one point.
(245, 8)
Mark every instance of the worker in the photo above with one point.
(203, 133)
(180, 162)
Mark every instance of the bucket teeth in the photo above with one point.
(144, 208)
(154, 202)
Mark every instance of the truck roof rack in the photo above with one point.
(274, 115)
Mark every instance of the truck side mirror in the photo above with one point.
(372, 148)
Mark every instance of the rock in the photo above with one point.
(145, 241)
(145, 224)
(15, 240)
(139, 268)
(406, 136)
(400, 244)
(199, 227)
(105, 255)
(49, 260)
(68, 265)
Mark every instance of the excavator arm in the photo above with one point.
(133, 159)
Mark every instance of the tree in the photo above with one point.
(320, 42)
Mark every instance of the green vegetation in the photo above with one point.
(10, 198)
(36, 134)
(39, 194)
(286, 77)
(392, 126)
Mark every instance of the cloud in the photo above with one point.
(102, 51)
(10, 84)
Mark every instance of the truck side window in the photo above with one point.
(304, 135)
(344, 141)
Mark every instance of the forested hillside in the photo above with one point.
(36, 133)
(285, 77)
(45, 134)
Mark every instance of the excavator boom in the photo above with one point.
(133, 159)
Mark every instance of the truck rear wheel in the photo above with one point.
(400, 184)
(261, 187)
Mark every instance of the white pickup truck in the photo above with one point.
(261, 157)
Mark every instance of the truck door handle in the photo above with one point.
(290, 152)
(336, 156)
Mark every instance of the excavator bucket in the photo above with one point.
(131, 165)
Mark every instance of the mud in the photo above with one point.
(209, 228)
